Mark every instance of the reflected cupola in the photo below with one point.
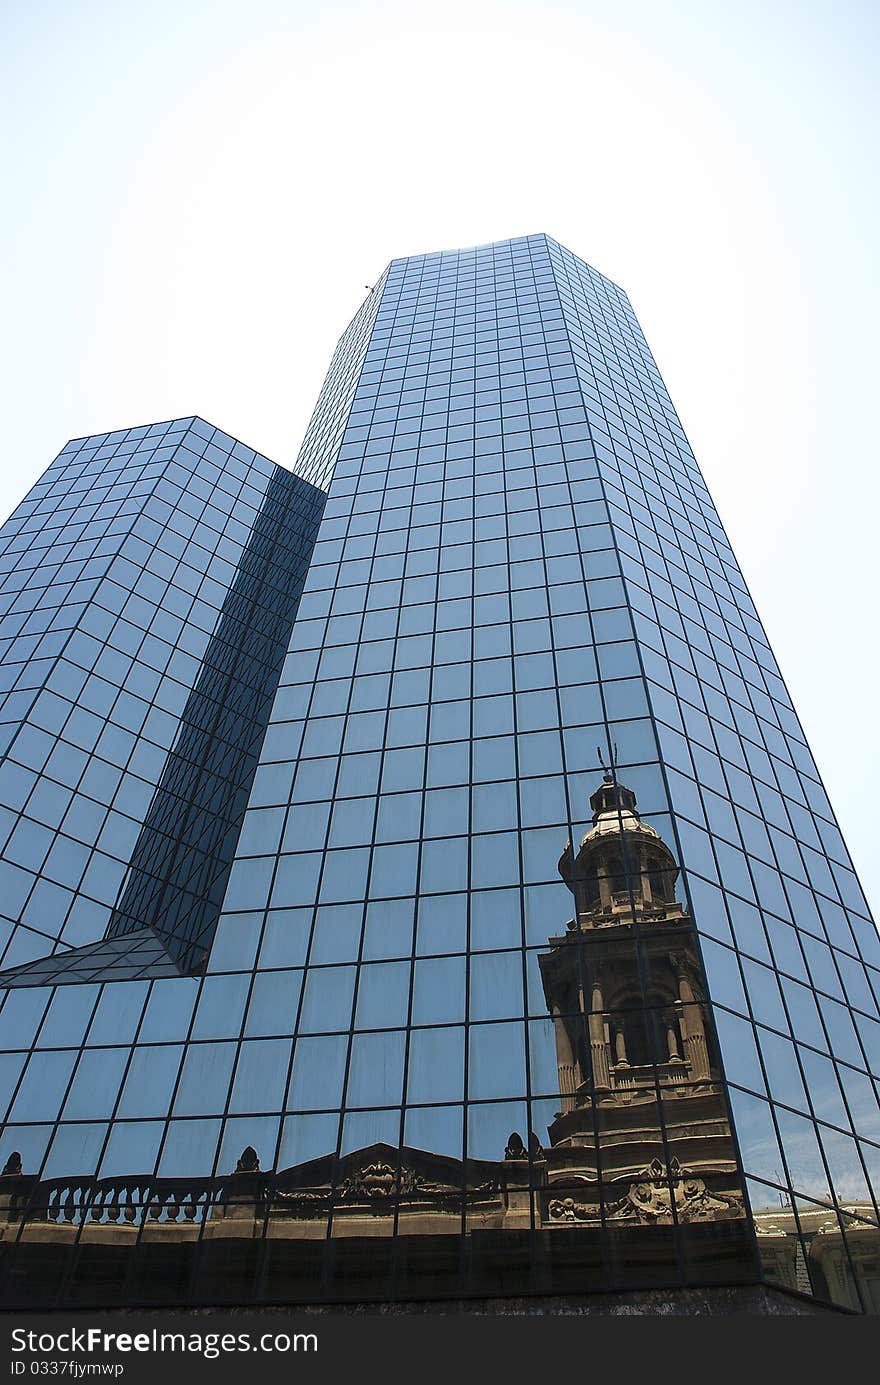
(622, 867)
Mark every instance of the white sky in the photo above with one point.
(197, 193)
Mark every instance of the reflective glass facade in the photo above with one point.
(536, 963)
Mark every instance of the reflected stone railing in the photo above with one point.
(128, 1201)
(600, 916)
(628, 1076)
(137, 1201)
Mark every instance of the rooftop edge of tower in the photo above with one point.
(466, 250)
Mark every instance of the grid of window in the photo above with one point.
(478, 1058)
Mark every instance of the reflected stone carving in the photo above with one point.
(376, 1181)
(654, 1198)
(566, 1209)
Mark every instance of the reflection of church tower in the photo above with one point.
(624, 985)
(634, 975)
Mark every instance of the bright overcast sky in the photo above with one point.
(197, 193)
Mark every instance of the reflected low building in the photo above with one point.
(641, 1148)
(291, 1011)
(809, 1254)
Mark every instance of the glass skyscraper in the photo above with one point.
(416, 880)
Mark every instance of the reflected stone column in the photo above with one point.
(565, 1062)
(599, 1058)
(604, 885)
(642, 889)
(693, 1030)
